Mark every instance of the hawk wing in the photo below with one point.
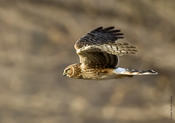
(99, 36)
(98, 48)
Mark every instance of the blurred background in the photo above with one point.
(36, 44)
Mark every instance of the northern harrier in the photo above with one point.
(98, 52)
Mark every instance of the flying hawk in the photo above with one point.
(98, 52)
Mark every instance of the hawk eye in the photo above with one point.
(67, 70)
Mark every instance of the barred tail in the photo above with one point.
(133, 72)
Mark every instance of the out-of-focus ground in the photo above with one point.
(36, 44)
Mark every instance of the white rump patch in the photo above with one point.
(120, 70)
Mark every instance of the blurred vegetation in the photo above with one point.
(36, 43)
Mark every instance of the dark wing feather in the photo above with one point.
(99, 36)
(97, 59)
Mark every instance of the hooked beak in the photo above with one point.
(64, 74)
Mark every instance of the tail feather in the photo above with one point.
(132, 72)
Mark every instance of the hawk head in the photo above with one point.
(72, 71)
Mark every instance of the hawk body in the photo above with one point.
(98, 52)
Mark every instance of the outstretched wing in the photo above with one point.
(99, 36)
(98, 48)
(118, 49)
(104, 55)
(98, 59)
